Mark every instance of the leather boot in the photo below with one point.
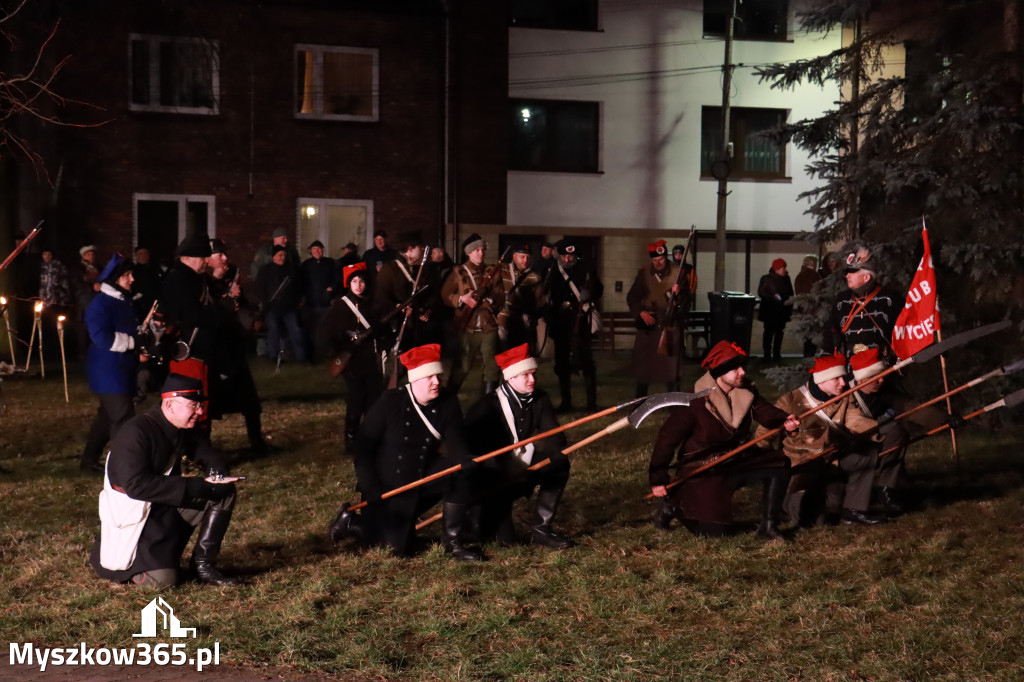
(542, 534)
(890, 502)
(565, 387)
(590, 382)
(771, 505)
(856, 517)
(204, 555)
(258, 446)
(347, 524)
(453, 519)
(663, 517)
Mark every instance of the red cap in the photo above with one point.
(515, 361)
(867, 363)
(828, 367)
(723, 357)
(422, 361)
(658, 248)
(778, 263)
(349, 270)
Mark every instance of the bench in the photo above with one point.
(618, 330)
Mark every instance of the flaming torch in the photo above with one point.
(7, 323)
(32, 336)
(63, 358)
(39, 323)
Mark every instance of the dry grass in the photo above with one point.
(935, 596)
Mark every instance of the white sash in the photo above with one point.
(405, 271)
(524, 452)
(355, 311)
(423, 417)
(472, 279)
(595, 316)
(831, 425)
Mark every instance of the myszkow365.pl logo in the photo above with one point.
(157, 617)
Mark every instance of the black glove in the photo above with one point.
(471, 466)
(143, 340)
(198, 492)
(558, 459)
(955, 421)
(886, 416)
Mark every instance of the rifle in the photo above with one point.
(464, 313)
(340, 361)
(393, 376)
(21, 247)
(672, 309)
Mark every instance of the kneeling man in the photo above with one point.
(148, 509)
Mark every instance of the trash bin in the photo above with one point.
(732, 317)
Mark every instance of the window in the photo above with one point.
(923, 65)
(570, 15)
(180, 75)
(754, 156)
(163, 220)
(336, 83)
(335, 222)
(755, 19)
(552, 135)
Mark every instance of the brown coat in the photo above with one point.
(489, 290)
(815, 433)
(650, 293)
(711, 426)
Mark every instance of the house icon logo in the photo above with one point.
(159, 613)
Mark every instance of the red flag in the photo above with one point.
(919, 320)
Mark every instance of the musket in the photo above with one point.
(924, 355)
(21, 247)
(672, 309)
(463, 314)
(635, 418)
(393, 376)
(149, 317)
(340, 361)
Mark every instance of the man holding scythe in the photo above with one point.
(709, 426)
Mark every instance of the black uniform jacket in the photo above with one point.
(394, 446)
(141, 452)
(487, 430)
(187, 304)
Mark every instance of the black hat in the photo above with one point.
(380, 233)
(195, 245)
(181, 386)
(548, 244)
(116, 266)
(406, 240)
(522, 247)
(316, 243)
(218, 246)
(277, 248)
(566, 246)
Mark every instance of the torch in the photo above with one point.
(7, 323)
(39, 323)
(63, 358)
(32, 336)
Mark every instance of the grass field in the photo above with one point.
(936, 595)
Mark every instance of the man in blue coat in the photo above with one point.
(112, 358)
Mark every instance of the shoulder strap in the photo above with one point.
(423, 417)
(355, 311)
(524, 453)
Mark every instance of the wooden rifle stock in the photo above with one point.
(672, 309)
(22, 246)
(464, 313)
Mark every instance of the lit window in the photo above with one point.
(337, 83)
(553, 135)
(180, 75)
(754, 156)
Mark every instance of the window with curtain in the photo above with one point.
(754, 156)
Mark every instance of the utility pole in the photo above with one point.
(725, 158)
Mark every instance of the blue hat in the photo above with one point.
(116, 266)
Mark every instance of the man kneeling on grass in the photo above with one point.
(148, 509)
(711, 426)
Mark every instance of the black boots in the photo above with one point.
(204, 555)
(454, 519)
(889, 501)
(565, 388)
(663, 517)
(347, 524)
(852, 517)
(542, 534)
(771, 506)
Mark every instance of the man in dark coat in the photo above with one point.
(648, 300)
(148, 509)
(379, 254)
(401, 441)
(279, 293)
(804, 284)
(112, 358)
(517, 410)
(524, 298)
(573, 292)
(775, 291)
(711, 426)
(393, 286)
(865, 313)
(320, 278)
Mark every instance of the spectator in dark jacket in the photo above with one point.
(111, 360)
(319, 276)
(278, 290)
(775, 291)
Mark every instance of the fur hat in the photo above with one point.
(723, 357)
(658, 248)
(472, 243)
